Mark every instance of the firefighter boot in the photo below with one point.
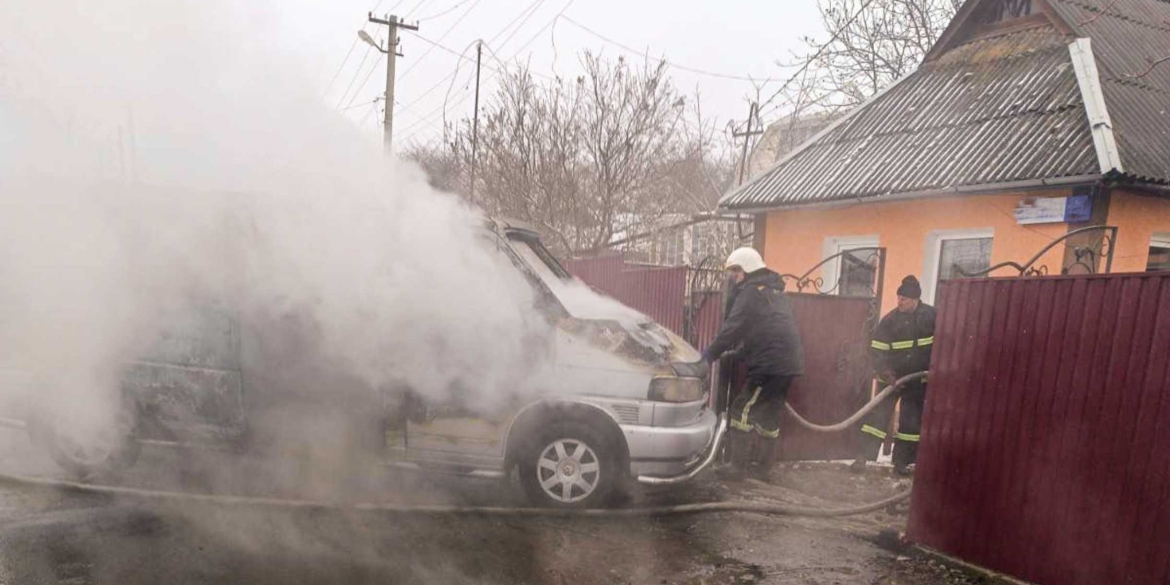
(765, 454)
(739, 445)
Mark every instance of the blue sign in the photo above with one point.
(1074, 209)
(1078, 209)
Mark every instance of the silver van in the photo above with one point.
(632, 406)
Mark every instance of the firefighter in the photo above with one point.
(901, 346)
(760, 317)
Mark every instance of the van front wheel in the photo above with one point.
(569, 465)
(109, 448)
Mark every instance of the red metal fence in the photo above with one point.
(660, 293)
(671, 296)
(1046, 440)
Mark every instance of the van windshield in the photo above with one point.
(578, 299)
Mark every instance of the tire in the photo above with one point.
(569, 465)
(117, 449)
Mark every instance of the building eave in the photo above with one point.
(958, 190)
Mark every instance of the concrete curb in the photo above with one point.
(993, 577)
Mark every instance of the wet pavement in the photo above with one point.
(50, 537)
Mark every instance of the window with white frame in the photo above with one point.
(1159, 254)
(951, 253)
(854, 272)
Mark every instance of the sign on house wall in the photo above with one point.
(1074, 209)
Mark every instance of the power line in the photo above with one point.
(815, 56)
(366, 81)
(357, 73)
(420, 4)
(453, 73)
(445, 12)
(373, 109)
(669, 63)
(423, 120)
(463, 56)
(529, 10)
(449, 29)
(353, 45)
(429, 117)
(366, 103)
(550, 23)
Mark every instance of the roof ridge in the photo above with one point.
(1105, 12)
(1029, 52)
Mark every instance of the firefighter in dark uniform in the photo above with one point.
(901, 346)
(760, 317)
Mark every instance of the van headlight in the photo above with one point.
(672, 389)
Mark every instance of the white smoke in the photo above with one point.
(154, 154)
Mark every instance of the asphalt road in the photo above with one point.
(50, 537)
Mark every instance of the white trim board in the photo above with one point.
(1085, 66)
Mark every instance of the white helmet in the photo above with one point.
(747, 259)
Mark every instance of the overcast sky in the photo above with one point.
(137, 52)
(732, 37)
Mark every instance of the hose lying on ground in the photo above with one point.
(856, 418)
(279, 503)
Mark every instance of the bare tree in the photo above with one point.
(870, 44)
(588, 160)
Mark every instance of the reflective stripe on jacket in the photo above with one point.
(902, 342)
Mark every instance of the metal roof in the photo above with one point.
(997, 110)
(1127, 36)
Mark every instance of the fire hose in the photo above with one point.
(404, 509)
(860, 414)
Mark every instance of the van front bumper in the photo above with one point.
(667, 455)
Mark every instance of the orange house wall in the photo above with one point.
(1137, 217)
(795, 239)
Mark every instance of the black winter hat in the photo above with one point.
(910, 288)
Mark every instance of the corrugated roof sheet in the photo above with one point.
(994, 110)
(1126, 38)
(991, 111)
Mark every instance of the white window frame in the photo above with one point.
(835, 245)
(1159, 240)
(934, 241)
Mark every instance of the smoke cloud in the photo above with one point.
(155, 159)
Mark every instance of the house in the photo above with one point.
(1028, 120)
(683, 240)
(782, 136)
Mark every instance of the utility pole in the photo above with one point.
(391, 51)
(475, 120)
(747, 137)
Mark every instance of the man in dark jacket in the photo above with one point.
(760, 317)
(901, 346)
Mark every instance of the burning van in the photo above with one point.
(621, 399)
